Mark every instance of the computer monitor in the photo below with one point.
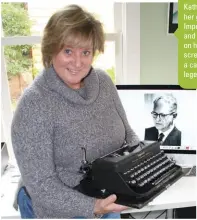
(138, 102)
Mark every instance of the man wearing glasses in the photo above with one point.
(163, 114)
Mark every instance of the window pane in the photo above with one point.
(15, 19)
(29, 19)
(106, 61)
(20, 69)
(24, 62)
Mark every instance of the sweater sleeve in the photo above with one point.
(131, 136)
(32, 139)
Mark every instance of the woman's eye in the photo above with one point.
(86, 52)
(68, 51)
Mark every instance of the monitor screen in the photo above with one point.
(155, 109)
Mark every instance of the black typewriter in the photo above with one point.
(135, 177)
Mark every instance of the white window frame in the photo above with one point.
(127, 22)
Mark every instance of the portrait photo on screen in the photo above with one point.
(170, 118)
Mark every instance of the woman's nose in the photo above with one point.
(77, 61)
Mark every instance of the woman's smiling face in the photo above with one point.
(72, 64)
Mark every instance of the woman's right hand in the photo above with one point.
(107, 205)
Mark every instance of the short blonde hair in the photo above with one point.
(72, 26)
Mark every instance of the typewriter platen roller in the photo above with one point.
(136, 177)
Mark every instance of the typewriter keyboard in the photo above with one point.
(150, 173)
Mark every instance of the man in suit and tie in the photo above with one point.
(163, 114)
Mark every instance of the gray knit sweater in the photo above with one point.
(51, 125)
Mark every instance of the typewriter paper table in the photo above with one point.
(181, 194)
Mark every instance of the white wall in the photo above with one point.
(158, 50)
(131, 57)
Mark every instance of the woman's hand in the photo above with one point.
(107, 205)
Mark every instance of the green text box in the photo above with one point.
(187, 43)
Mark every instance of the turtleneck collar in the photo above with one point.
(50, 80)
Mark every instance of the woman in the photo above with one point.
(69, 106)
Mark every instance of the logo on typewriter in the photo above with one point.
(103, 191)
